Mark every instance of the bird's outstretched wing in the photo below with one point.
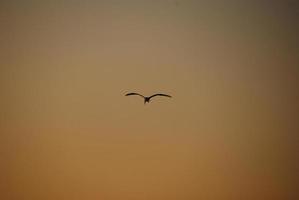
(164, 95)
(133, 93)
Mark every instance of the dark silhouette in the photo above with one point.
(147, 99)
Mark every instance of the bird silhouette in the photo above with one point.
(147, 99)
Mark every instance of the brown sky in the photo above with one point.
(230, 132)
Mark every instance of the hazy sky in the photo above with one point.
(230, 132)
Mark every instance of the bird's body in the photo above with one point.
(147, 99)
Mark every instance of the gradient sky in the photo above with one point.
(230, 132)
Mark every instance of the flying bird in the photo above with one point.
(147, 99)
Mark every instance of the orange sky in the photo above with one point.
(230, 132)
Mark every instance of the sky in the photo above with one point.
(230, 131)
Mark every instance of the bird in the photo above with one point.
(147, 99)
